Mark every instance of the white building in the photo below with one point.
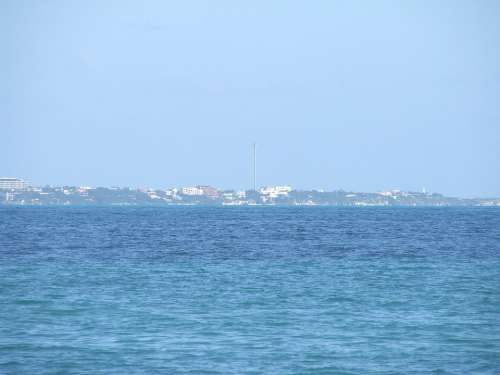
(391, 193)
(12, 183)
(152, 194)
(228, 195)
(192, 191)
(171, 192)
(275, 191)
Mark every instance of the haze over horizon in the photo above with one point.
(358, 96)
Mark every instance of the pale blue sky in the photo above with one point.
(359, 95)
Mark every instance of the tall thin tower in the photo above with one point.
(255, 166)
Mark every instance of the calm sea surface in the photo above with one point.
(255, 290)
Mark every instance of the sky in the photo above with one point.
(353, 95)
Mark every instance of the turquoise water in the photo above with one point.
(256, 290)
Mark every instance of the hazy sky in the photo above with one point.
(359, 95)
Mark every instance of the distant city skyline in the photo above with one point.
(361, 96)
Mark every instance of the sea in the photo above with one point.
(249, 290)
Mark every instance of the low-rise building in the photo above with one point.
(209, 191)
(171, 192)
(275, 191)
(192, 191)
(8, 183)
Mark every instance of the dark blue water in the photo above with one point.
(256, 290)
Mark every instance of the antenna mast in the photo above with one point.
(255, 166)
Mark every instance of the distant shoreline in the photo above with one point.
(202, 195)
(249, 207)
